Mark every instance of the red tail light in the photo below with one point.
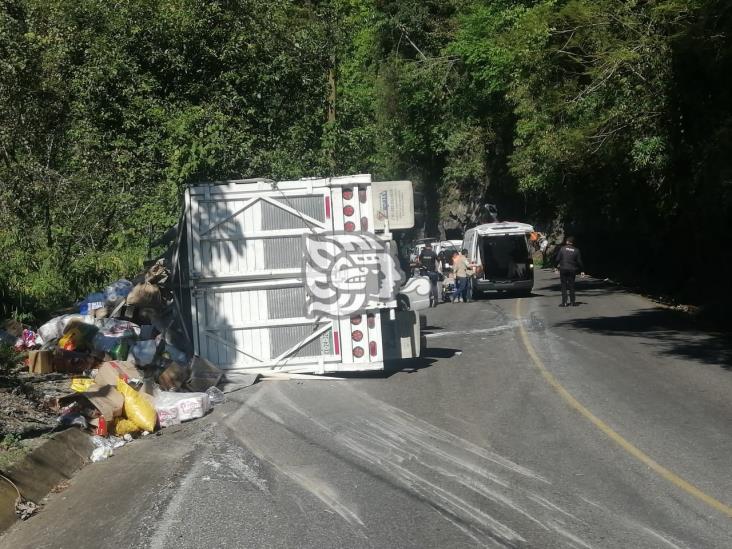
(356, 320)
(350, 226)
(347, 194)
(357, 335)
(336, 343)
(358, 352)
(373, 348)
(327, 207)
(348, 210)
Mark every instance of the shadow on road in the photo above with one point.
(429, 357)
(585, 286)
(669, 331)
(499, 295)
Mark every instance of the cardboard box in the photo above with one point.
(40, 362)
(108, 400)
(71, 362)
(110, 372)
(173, 377)
(203, 375)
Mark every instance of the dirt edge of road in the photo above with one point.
(54, 461)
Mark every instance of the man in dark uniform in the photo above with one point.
(569, 263)
(428, 261)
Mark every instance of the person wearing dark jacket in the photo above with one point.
(428, 262)
(569, 262)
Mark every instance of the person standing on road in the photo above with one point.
(427, 260)
(569, 263)
(471, 276)
(543, 248)
(461, 266)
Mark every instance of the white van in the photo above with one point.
(502, 252)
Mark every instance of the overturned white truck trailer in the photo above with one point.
(281, 275)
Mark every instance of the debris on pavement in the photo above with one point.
(120, 367)
(174, 408)
(104, 448)
(216, 396)
(203, 374)
(24, 508)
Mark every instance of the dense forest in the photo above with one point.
(609, 118)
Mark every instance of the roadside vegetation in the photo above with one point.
(611, 117)
(12, 450)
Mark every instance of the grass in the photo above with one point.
(12, 450)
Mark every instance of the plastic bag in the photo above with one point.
(216, 396)
(137, 407)
(27, 340)
(117, 291)
(114, 337)
(144, 352)
(125, 427)
(172, 408)
(175, 354)
(113, 327)
(101, 453)
(81, 384)
(117, 442)
(121, 349)
(77, 336)
(104, 343)
(54, 328)
(67, 420)
(103, 448)
(91, 303)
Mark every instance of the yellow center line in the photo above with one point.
(612, 434)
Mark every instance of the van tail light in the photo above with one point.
(350, 226)
(327, 207)
(356, 320)
(347, 194)
(358, 352)
(336, 343)
(348, 211)
(373, 348)
(357, 335)
(371, 321)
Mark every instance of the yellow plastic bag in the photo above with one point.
(81, 384)
(137, 408)
(125, 426)
(77, 336)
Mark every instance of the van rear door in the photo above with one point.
(505, 257)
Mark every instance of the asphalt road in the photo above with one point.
(526, 425)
